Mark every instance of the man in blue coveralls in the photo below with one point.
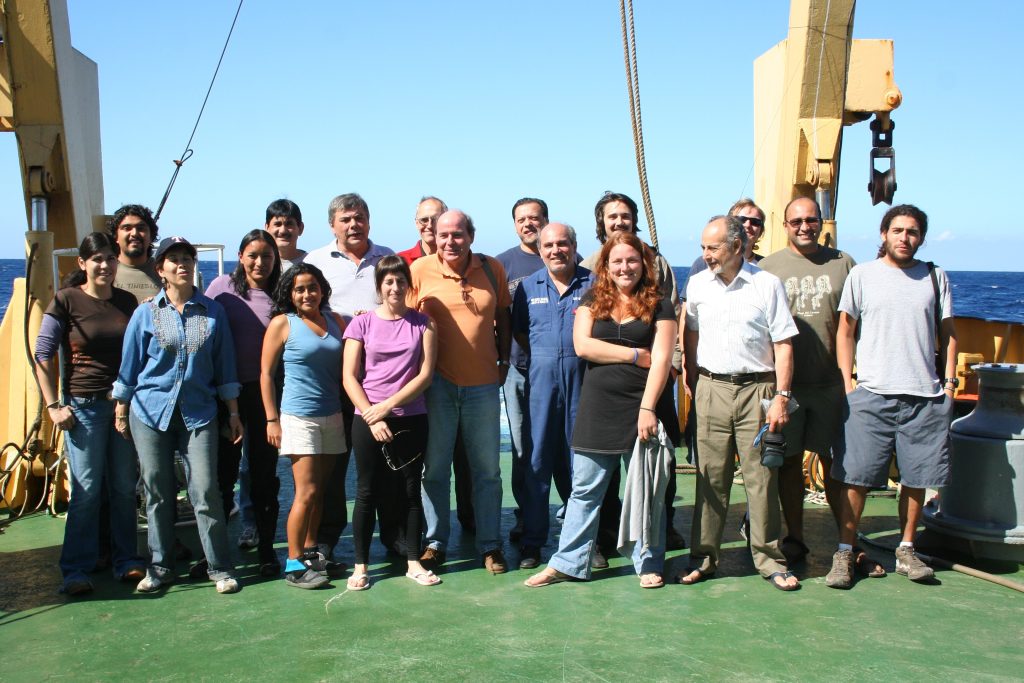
(543, 312)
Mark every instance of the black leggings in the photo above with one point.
(377, 483)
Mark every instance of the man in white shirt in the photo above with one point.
(738, 344)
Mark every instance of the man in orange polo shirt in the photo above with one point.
(467, 296)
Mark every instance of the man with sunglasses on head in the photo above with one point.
(467, 297)
(753, 224)
(813, 276)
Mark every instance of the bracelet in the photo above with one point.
(232, 414)
(55, 404)
(504, 363)
(636, 356)
(121, 418)
(276, 419)
(650, 410)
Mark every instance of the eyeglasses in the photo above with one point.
(394, 460)
(466, 298)
(426, 220)
(755, 221)
(811, 222)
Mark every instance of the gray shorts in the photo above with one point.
(816, 424)
(916, 427)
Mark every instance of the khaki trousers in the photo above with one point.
(728, 419)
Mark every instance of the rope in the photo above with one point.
(633, 86)
(187, 154)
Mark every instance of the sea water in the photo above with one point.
(988, 295)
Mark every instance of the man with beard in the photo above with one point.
(891, 312)
(133, 228)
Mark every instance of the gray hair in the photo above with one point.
(571, 231)
(733, 230)
(432, 198)
(346, 202)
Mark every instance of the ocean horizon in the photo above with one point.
(987, 295)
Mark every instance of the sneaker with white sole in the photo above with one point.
(152, 583)
(911, 566)
(841, 574)
(305, 578)
(228, 585)
(249, 539)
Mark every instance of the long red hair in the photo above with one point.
(644, 299)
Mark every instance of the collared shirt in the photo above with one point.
(463, 308)
(353, 288)
(177, 360)
(412, 253)
(738, 323)
(546, 316)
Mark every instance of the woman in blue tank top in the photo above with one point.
(308, 428)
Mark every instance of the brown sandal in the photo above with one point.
(865, 566)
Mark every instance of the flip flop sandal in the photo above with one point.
(547, 579)
(648, 580)
(865, 566)
(701, 576)
(424, 578)
(782, 586)
(353, 582)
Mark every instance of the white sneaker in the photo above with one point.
(151, 583)
(228, 585)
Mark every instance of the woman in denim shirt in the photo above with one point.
(178, 359)
(87, 319)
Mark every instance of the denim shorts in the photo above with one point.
(312, 435)
(915, 427)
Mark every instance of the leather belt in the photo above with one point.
(744, 378)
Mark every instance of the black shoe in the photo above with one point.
(529, 557)
(315, 560)
(200, 570)
(305, 578)
(270, 566)
(674, 540)
(598, 560)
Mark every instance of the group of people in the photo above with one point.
(401, 358)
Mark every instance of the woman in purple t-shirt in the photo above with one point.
(389, 361)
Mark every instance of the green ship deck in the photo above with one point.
(481, 627)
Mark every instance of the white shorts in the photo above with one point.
(312, 435)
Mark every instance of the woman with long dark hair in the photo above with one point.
(179, 358)
(309, 429)
(247, 297)
(625, 329)
(390, 354)
(87, 319)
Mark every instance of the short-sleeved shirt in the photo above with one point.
(464, 311)
(353, 285)
(897, 331)
(518, 264)
(738, 322)
(813, 286)
(93, 335)
(412, 253)
(248, 317)
(142, 282)
(392, 356)
(611, 395)
(300, 256)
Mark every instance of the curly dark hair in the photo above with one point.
(283, 292)
(139, 211)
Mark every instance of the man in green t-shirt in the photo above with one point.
(813, 276)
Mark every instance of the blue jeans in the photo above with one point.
(590, 476)
(476, 411)
(94, 451)
(517, 409)
(198, 450)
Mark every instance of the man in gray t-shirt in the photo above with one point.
(813, 276)
(133, 228)
(891, 316)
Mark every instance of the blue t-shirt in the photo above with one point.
(518, 264)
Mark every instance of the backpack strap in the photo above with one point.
(938, 296)
(489, 272)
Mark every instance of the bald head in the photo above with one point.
(558, 250)
(455, 234)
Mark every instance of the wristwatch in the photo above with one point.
(504, 363)
(951, 382)
(787, 394)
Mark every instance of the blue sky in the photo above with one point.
(482, 103)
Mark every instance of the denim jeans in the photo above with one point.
(475, 410)
(96, 451)
(517, 409)
(591, 474)
(198, 450)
